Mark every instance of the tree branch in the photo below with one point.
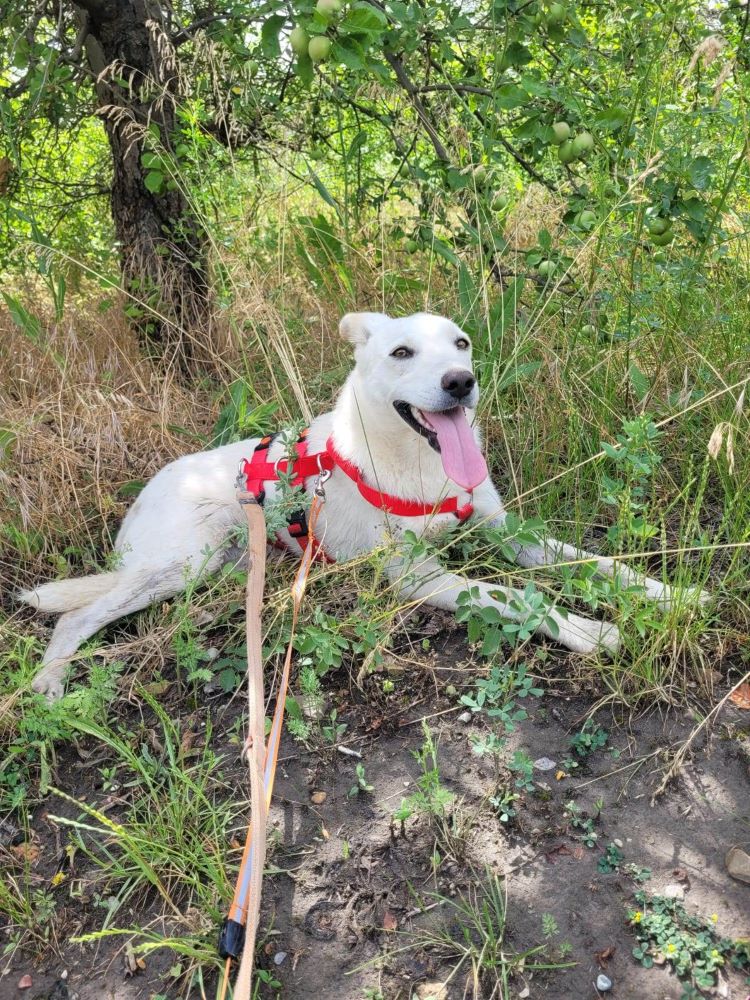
(402, 76)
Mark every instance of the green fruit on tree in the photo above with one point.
(316, 153)
(404, 170)
(556, 13)
(319, 48)
(480, 173)
(411, 246)
(583, 143)
(658, 226)
(565, 152)
(662, 239)
(299, 40)
(659, 257)
(546, 268)
(328, 8)
(251, 68)
(499, 201)
(588, 330)
(587, 219)
(560, 132)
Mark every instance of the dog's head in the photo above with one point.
(420, 367)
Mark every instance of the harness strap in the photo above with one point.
(391, 504)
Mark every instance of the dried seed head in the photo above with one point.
(716, 441)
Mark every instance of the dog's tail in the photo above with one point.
(67, 595)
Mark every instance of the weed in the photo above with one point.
(579, 821)
(475, 939)
(666, 932)
(592, 737)
(362, 786)
(487, 624)
(611, 860)
(173, 834)
(498, 694)
(432, 798)
(504, 804)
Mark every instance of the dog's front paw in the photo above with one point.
(50, 681)
(584, 635)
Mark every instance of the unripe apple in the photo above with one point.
(546, 268)
(319, 48)
(657, 226)
(328, 8)
(587, 219)
(560, 132)
(411, 246)
(556, 13)
(299, 40)
(662, 239)
(565, 152)
(583, 143)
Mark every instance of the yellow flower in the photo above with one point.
(637, 917)
(714, 917)
(715, 953)
(58, 878)
(671, 947)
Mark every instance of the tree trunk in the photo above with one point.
(163, 248)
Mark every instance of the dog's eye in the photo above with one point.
(402, 352)
(463, 344)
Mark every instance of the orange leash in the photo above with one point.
(240, 928)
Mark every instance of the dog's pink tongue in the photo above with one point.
(463, 461)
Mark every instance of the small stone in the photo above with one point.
(674, 891)
(431, 991)
(603, 983)
(318, 798)
(465, 718)
(212, 653)
(25, 982)
(544, 764)
(617, 842)
(279, 957)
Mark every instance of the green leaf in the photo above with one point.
(701, 171)
(365, 20)
(154, 181)
(269, 36)
(323, 191)
(303, 67)
(509, 96)
(639, 381)
(349, 52)
(610, 119)
(131, 488)
(442, 249)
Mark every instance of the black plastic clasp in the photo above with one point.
(231, 939)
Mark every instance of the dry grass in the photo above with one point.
(86, 415)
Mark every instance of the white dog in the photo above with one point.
(403, 456)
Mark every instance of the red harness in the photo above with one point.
(258, 471)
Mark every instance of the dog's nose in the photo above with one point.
(458, 382)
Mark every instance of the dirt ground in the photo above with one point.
(347, 887)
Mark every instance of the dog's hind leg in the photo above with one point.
(428, 582)
(133, 592)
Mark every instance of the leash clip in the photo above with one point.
(240, 482)
(323, 476)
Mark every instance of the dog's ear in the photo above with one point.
(357, 327)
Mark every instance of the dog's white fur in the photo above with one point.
(189, 507)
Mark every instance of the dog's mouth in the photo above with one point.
(449, 433)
